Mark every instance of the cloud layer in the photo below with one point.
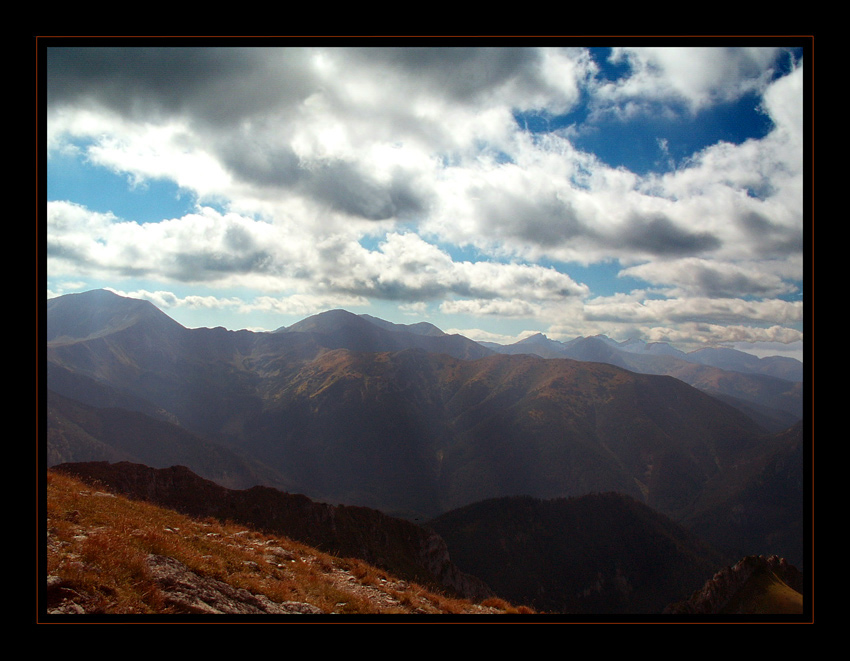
(328, 175)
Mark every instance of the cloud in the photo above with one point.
(688, 323)
(693, 77)
(167, 300)
(626, 309)
(658, 235)
(551, 199)
(488, 307)
(300, 305)
(475, 77)
(201, 247)
(402, 135)
(217, 86)
(307, 118)
(211, 247)
(692, 335)
(334, 175)
(407, 268)
(348, 189)
(480, 335)
(703, 278)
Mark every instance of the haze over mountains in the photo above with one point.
(415, 422)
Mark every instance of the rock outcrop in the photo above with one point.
(739, 589)
(186, 592)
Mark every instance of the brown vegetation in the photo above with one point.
(105, 555)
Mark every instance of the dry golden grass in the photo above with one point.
(98, 544)
(766, 594)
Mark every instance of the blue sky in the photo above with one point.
(641, 191)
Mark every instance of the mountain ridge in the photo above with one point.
(105, 313)
(783, 367)
(714, 356)
(772, 392)
(414, 432)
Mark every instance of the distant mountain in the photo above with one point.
(339, 329)
(652, 348)
(779, 402)
(780, 367)
(420, 328)
(537, 344)
(332, 320)
(599, 553)
(591, 348)
(97, 313)
(769, 389)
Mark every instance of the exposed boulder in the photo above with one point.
(186, 592)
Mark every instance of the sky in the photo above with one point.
(494, 189)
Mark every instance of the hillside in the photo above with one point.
(599, 553)
(108, 555)
(396, 545)
(760, 506)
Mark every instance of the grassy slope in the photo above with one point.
(765, 593)
(97, 544)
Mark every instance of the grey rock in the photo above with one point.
(188, 593)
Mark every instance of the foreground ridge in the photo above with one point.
(107, 554)
(397, 546)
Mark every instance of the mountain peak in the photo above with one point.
(537, 337)
(97, 313)
(324, 321)
(420, 328)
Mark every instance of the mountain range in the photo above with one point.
(770, 389)
(414, 422)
